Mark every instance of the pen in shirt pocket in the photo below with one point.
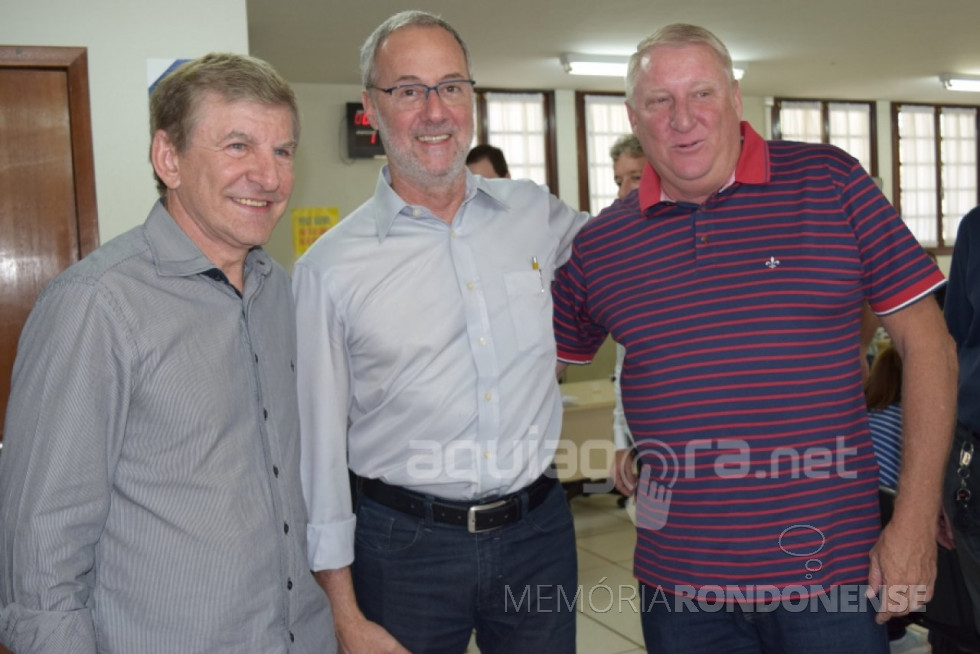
(535, 266)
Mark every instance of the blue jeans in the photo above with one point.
(431, 584)
(772, 630)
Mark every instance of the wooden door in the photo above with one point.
(48, 215)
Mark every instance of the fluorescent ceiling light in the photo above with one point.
(611, 65)
(961, 82)
(602, 65)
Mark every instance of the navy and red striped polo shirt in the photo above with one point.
(742, 379)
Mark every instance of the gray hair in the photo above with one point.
(626, 144)
(677, 34)
(411, 18)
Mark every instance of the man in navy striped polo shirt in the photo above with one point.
(735, 279)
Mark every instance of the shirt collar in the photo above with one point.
(389, 205)
(752, 167)
(176, 255)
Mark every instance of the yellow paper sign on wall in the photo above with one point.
(309, 223)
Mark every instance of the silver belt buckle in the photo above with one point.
(476, 508)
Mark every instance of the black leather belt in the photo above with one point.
(486, 516)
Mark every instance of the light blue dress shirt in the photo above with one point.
(426, 350)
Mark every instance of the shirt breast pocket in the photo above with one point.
(530, 308)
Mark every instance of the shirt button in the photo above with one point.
(470, 286)
(416, 212)
(452, 233)
(481, 341)
(292, 638)
(275, 470)
(488, 396)
(486, 455)
(256, 358)
(289, 584)
(265, 413)
(285, 527)
(704, 238)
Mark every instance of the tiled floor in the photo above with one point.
(609, 623)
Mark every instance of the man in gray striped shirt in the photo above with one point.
(149, 484)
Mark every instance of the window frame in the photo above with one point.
(548, 118)
(776, 120)
(941, 246)
(582, 145)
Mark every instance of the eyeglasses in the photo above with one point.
(452, 92)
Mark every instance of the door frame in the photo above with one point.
(74, 62)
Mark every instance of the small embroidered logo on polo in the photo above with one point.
(773, 263)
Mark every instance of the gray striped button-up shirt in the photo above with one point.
(150, 476)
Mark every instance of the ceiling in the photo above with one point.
(827, 49)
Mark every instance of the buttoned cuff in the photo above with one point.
(29, 631)
(331, 545)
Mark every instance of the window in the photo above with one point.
(936, 170)
(521, 123)
(601, 119)
(851, 126)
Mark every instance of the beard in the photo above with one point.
(406, 162)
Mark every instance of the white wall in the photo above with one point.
(756, 112)
(120, 36)
(567, 147)
(324, 175)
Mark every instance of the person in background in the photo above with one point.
(735, 277)
(961, 493)
(628, 162)
(883, 397)
(487, 160)
(150, 494)
(427, 364)
(870, 326)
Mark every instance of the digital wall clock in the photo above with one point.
(363, 141)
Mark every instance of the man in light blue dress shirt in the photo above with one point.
(427, 363)
(150, 497)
